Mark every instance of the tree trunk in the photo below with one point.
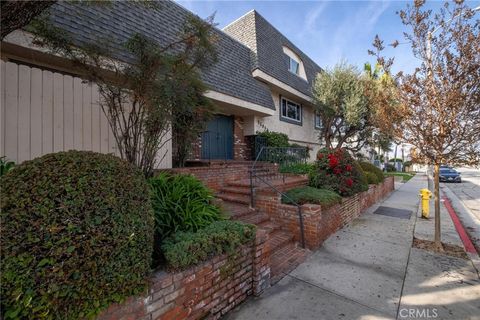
(395, 157)
(438, 241)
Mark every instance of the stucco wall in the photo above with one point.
(304, 134)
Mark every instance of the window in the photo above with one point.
(294, 66)
(318, 121)
(291, 111)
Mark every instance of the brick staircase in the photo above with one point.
(286, 254)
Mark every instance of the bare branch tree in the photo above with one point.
(440, 101)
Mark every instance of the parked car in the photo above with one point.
(449, 175)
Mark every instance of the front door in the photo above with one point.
(217, 141)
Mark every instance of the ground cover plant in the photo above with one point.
(184, 249)
(297, 168)
(405, 176)
(301, 195)
(77, 235)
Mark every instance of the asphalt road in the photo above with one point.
(469, 190)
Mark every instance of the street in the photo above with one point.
(469, 190)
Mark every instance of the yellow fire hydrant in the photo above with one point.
(426, 195)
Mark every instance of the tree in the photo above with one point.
(344, 109)
(440, 100)
(17, 14)
(144, 97)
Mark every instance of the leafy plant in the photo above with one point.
(297, 168)
(371, 178)
(181, 203)
(302, 195)
(336, 170)
(5, 165)
(274, 139)
(77, 235)
(184, 249)
(369, 167)
(155, 95)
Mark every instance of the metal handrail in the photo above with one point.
(282, 194)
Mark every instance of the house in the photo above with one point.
(261, 81)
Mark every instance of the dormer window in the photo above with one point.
(294, 66)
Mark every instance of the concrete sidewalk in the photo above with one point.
(363, 272)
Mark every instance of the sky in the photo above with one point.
(327, 31)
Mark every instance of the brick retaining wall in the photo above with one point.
(206, 291)
(218, 174)
(320, 223)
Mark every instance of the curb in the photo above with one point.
(467, 243)
(468, 219)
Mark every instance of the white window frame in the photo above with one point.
(297, 63)
(284, 114)
(317, 124)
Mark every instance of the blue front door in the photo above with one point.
(217, 141)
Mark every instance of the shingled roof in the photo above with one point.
(267, 44)
(120, 20)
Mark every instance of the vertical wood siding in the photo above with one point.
(43, 112)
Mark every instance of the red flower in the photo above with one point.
(348, 167)
(320, 156)
(333, 161)
(349, 182)
(337, 170)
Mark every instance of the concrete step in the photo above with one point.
(286, 259)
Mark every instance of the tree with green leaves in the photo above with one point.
(340, 100)
(347, 101)
(160, 90)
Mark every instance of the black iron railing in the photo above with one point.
(261, 174)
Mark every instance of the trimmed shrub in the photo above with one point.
(303, 195)
(297, 168)
(369, 167)
(181, 203)
(337, 171)
(185, 249)
(274, 139)
(371, 178)
(77, 235)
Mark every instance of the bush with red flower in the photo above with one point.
(338, 171)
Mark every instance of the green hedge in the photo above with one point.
(297, 168)
(185, 249)
(274, 139)
(369, 167)
(303, 195)
(77, 235)
(371, 178)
